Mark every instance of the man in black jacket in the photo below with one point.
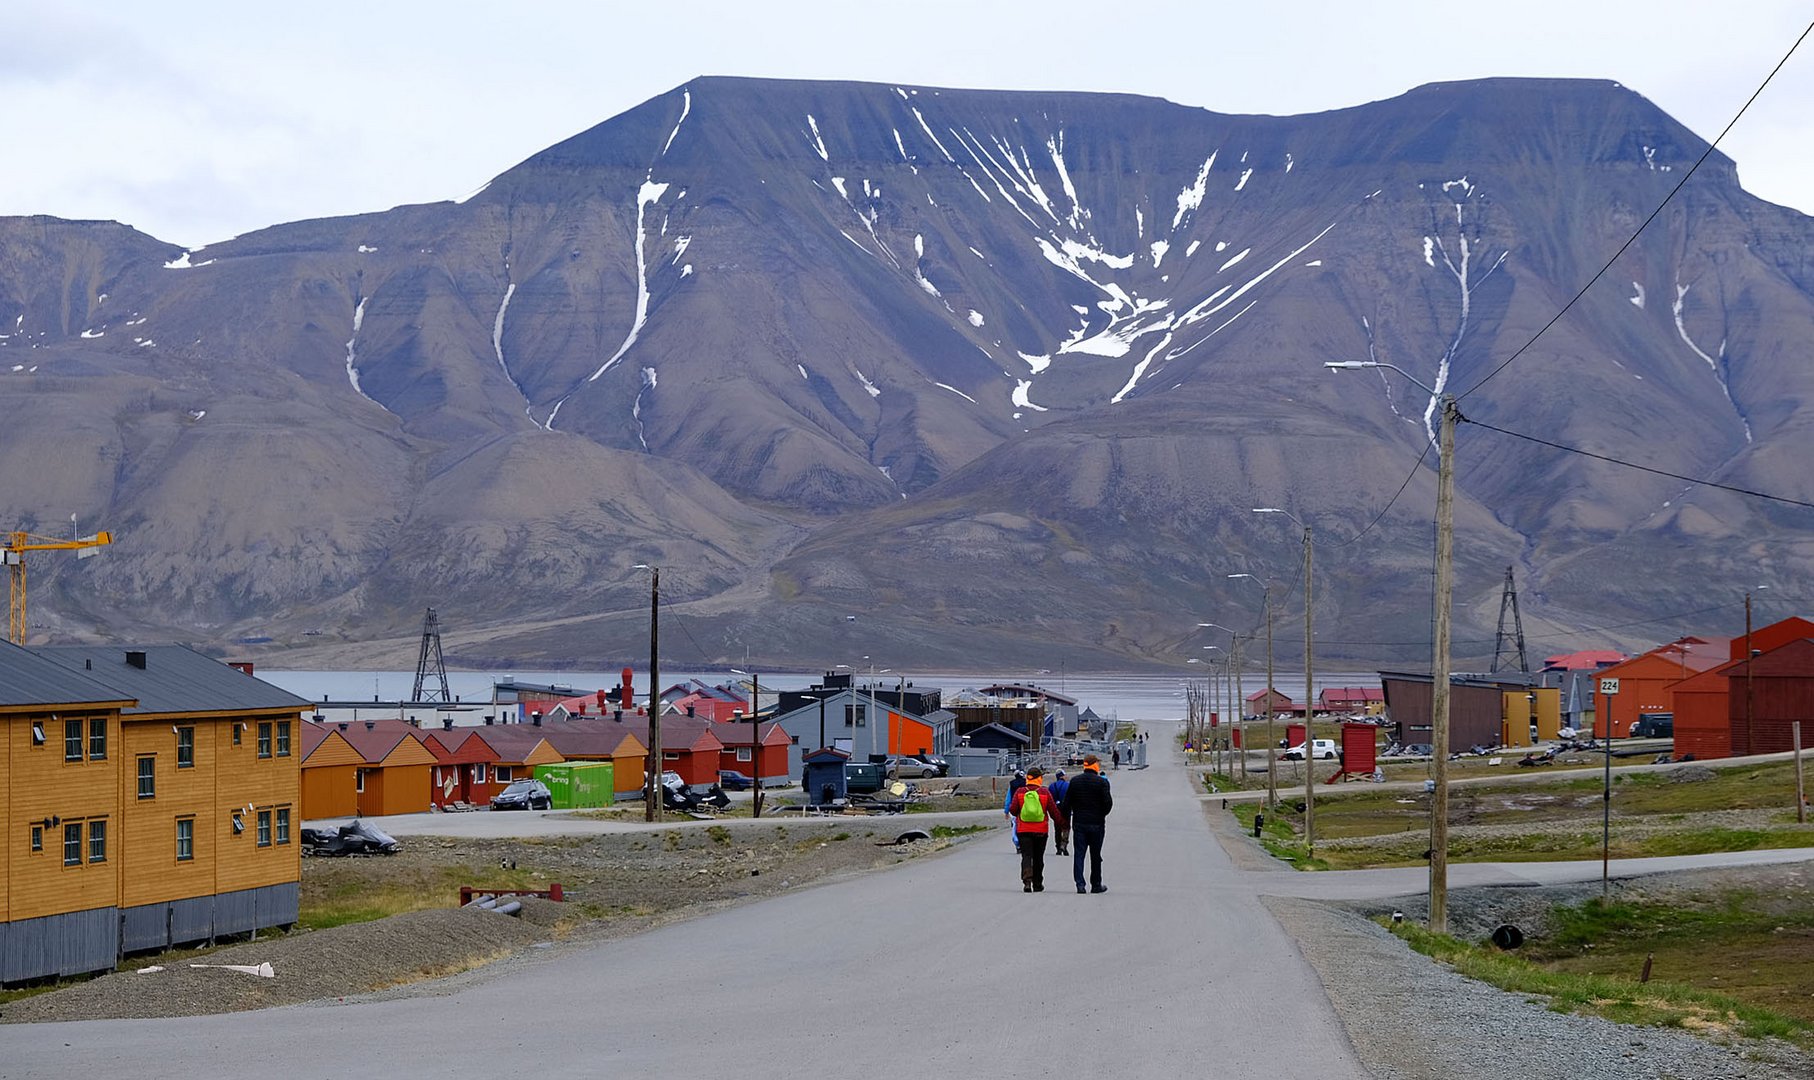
(1087, 803)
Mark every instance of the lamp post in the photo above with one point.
(1439, 662)
(1272, 787)
(1231, 697)
(1309, 691)
(755, 740)
(1214, 693)
(651, 795)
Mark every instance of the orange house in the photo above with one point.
(1645, 682)
(329, 764)
(394, 774)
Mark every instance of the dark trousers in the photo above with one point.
(1033, 859)
(1088, 838)
(1062, 837)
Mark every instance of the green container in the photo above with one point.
(578, 785)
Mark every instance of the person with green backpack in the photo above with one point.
(1033, 811)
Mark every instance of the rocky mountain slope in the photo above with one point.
(1001, 374)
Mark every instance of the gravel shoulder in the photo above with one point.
(1412, 1018)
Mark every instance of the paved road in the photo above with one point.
(940, 967)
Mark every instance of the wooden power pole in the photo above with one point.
(652, 795)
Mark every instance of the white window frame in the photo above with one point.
(478, 772)
(744, 754)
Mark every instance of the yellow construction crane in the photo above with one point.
(18, 543)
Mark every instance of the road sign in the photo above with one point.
(1609, 686)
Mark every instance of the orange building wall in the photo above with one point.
(148, 861)
(907, 736)
(327, 791)
(395, 789)
(40, 784)
(1643, 688)
(263, 784)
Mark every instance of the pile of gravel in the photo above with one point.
(309, 966)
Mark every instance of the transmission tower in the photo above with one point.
(1508, 601)
(431, 641)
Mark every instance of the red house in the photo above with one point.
(1781, 684)
(501, 753)
(691, 747)
(758, 751)
(1703, 724)
(464, 769)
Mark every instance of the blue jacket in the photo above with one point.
(1058, 788)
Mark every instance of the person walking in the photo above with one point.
(1087, 802)
(1033, 813)
(1007, 805)
(1061, 825)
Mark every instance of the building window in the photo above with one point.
(37, 839)
(503, 774)
(283, 738)
(264, 739)
(264, 828)
(238, 730)
(857, 715)
(743, 753)
(185, 747)
(97, 841)
(97, 739)
(147, 776)
(185, 839)
(72, 740)
(478, 773)
(72, 844)
(359, 780)
(37, 733)
(283, 824)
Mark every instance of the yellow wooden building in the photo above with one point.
(152, 799)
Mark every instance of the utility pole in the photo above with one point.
(1272, 740)
(1750, 662)
(1439, 669)
(652, 792)
(1309, 715)
(1240, 713)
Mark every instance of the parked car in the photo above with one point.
(731, 780)
(1654, 726)
(1322, 749)
(523, 795)
(937, 762)
(910, 767)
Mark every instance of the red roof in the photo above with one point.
(375, 739)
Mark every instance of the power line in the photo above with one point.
(1641, 468)
(1401, 490)
(1653, 216)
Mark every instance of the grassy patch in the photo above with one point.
(1658, 1003)
(330, 899)
(1280, 836)
(719, 834)
(441, 971)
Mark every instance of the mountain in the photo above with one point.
(1002, 375)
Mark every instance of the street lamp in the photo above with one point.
(651, 794)
(1272, 787)
(1309, 690)
(1214, 688)
(1439, 663)
(1234, 696)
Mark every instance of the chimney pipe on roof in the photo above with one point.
(689, 712)
(370, 724)
(135, 659)
(536, 718)
(488, 719)
(342, 725)
(447, 723)
(617, 715)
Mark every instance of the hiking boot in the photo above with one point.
(1039, 888)
(1099, 888)
(1026, 888)
(1081, 890)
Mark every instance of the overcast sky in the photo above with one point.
(195, 120)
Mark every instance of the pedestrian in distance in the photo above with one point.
(1061, 825)
(1034, 810)
(1087, 803)
(1007, 805)
(1115, 756)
